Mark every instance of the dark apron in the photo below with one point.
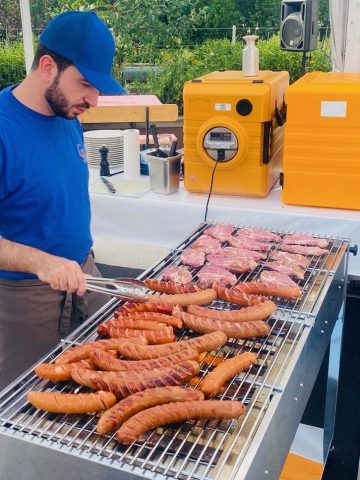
(34, 318)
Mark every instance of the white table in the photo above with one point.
(135, 232)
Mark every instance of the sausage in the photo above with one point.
(204, 343)
(255, 312)
(201, 297)
(258, 328)
(126, 408)
(153, 317)
(123, 387)
(177, 412)
(153, 337)
(238, 297)
(61, 373)
(130, 307)
(170, 287)
(214, 381)
(291, 293)
(102, 360)
(124, 322)
(82, 352)
(72, 402)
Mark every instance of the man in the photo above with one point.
(45, 244)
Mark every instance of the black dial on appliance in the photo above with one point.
(244, 107)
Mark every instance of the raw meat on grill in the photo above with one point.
(292, 270)
(220, 231)
(243, 252)
(231, 262)
(258, 235)
(299, 239)
(242, 242)
(206, 244)
(177, 275)
(193, 257)
(314, 251)
(212, 275)
(290, 258)
(276, 278)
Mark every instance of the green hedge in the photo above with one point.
(178, 66)
(12, 64)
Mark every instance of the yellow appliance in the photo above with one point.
(234, 122)
(321, 161)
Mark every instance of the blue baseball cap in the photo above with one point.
(84, 40)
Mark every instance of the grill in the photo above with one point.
(275, 392)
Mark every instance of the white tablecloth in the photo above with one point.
(155, 223)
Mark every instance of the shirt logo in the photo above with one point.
(82, 152)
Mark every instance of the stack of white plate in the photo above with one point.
(112, 139)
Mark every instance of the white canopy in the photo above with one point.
(345, 35)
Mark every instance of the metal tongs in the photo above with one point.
(124, 288)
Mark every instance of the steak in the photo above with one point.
(211, 275)
(193, 257)
(243, 252)
(314, 251)
(275, 278)
(258, 235)
(207, 244)
(242, 242)
(231, 262)
(292, 270)
(220, 231)
(305, 240)
(177, 275)
(290, 258)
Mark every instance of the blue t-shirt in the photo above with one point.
(44, 197)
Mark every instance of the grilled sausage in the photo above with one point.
(214, 381)
(204, 343)
(170, 287)
(261, 288)
(175, 375)
(81, 352)
(153, 317)
(133, 404)
(72, 402)
(202, 297)
(158, 307)
(238, 297)
(103, 328)
(249, 329)
(176, 412)
(61, 373)
(255, 312)
(102, 360)
(153, 337)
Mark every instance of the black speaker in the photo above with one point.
(299, 25)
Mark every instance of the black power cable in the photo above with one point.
(211, 187)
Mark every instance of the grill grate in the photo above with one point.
(190, 450)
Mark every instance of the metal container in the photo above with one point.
(164, 173)
(36, 445)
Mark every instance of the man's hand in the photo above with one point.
(62, 274)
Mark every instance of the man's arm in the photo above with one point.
(60, 273)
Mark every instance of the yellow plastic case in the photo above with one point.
(211, 101)
(321, 160)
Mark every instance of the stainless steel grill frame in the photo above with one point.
(275, 391)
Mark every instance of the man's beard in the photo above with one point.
(58, 102)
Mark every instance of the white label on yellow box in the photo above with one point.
(223, 107)
(333, 109)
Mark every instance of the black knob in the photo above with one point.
(354, 250)
(244, 107)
